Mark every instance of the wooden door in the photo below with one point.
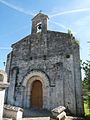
(36, 94)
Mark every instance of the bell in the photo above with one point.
(39, 26)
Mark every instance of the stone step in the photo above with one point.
(74, 118)
(36, 113)
(37, 118)
(7, 119)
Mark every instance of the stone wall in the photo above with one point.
(57, 56)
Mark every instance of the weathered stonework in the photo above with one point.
(13, 112)
(53, 59)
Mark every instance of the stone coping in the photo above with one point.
(59, 109)
(3, 85)
(13, 108)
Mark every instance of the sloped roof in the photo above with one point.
(39, 15)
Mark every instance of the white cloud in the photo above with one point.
(59, 24)
(70, 11)
(19, 9)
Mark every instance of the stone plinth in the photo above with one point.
(13, 112)
(58, 113)
(61, 116)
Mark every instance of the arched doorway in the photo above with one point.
(37, 94)
(27, 84)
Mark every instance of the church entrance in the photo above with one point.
(36, 94)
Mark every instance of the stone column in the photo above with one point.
(3, 85)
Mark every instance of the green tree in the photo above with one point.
(86, 82)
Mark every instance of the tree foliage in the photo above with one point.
(86, 67)
(86, 82)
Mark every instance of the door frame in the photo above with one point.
(27, 86)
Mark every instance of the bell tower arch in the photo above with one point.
(39, 23)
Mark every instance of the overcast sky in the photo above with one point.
(16, 15)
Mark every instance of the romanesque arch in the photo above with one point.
(27, 85)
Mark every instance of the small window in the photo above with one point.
(68, 56)
(30, 58)
(1, 77)
(44, 57)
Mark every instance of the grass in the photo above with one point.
(87, 110)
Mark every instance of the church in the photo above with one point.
(44, 70)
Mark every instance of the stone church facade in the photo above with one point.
(44, 70)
